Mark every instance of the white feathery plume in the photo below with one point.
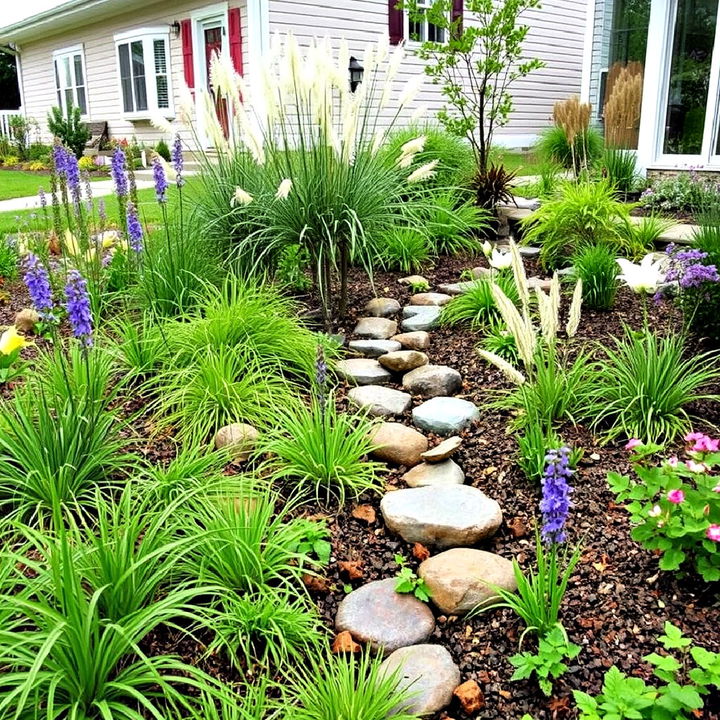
(520, 327)
(413, 146)
(410, 91)
(212, 125)
(548, 317)
(187, 104)
(575, 310)
(383, 47)
(512, 374)
(378, 140)
(342, 66)
(520, 276)
(405, 161)
(284, 189)
(424, 172)
(240, 197)
(162, 124)
(555, 295)
(418, 113)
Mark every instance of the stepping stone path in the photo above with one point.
(430, 298)
(386, 620)
(382, 307)
(446, 472)
(403, 360)
(432, 381)
(461, 579)
(442, 515)
(419, 340)
(362, 371)
(529, 251)
(445, 415)
(374, 348)
(447, 448)
(376, 328)
(427, 674)
(380, 401)
(420, 317)
(398, 443)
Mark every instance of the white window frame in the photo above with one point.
(424, 5)
(62, 54)
(147, 36)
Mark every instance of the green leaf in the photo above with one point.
(673, 639)
(672, 559)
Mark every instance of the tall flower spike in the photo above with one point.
(37, 281)
(176, 155)
(134, 229)
(575, 310)
(117, 170)
(555, 504)
(77, 304)
(520, 276)
(161, 184)
(513, 375)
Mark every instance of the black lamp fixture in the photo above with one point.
(356, 71)
(176, 28)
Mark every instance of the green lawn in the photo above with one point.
(19, 183)
(524, 163)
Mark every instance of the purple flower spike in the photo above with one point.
(117, 170)
(72, 172)
(37, 281)
(555, 503)
(77, 303)
(161, 183)
(60, 160)
(177, 160)
(134, 228)
(43, 199)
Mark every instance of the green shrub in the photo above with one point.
(163, 150)
(137, 345)
(643, 385)
(38, 151)
(292, 269)
(404, 249)
(500, 341)
(476, 306)
(553, 147)
(620, 168)
(643, 234)
(70, 129)
(452, 229)
(8, 260)
(595, 265)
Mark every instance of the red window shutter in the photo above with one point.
(187, 51)
(235, 39)
(396, 22)
(457, 16)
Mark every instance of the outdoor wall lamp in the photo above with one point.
(356, 71)
(176, 28)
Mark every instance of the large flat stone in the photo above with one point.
(374, 348)
(398, 443)
(432, 381)
(430, 298)
(458, 288)
(427, 674)
(386, 620)
(403, 360)
(442, 473)
(362, 371)
(444, 450)
(419, 340)
(376, 328)
(445, 415)
(462, 578)
(380, 401)
(420, 317)
(441, 515)
(414, 280)
(382, 307)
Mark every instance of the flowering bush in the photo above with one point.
(686, 192)
(675, 506)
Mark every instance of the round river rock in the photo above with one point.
(398, 443)
(403, 360)
(445, 415)
(380, 401)
(442, 473)
(432, 381)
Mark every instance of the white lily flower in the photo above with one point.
(284, 189)
(487, 248)
(642, 278)
(241, 197)
(500, 260)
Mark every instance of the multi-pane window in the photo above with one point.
(421, 30)
(69, 66)
(143, 68)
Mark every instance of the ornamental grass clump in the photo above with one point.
(595, 265)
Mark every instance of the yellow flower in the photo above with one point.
(70, 243)
(11, 340)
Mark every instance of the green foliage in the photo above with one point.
(8, 260)
(137, 345)
(644, 384)
(684, 192)
(679, 697)
(407, 581)
(493, 186)
(315, 542)
(70, 129)
(620, 168)
(677, 531)
(547, 663)
(553, 147)
(292, 266)
(38, 151)
(533, 446)
(476, 307)
(500, 340)
(349, 687)
(646, 231)
(595, 265)
(489, 43)
(581, 213)
(404, 249)
(163, 150)
(319, 451)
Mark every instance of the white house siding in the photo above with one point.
(600, 50)
(556, 36)
(103, 87)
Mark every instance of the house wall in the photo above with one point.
(600, 51)
(556, 36)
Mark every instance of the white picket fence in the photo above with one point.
(5, 116)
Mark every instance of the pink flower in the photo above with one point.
(713, 533)
(704, 444)
(633, 443)
(696, 467)
(673, 461)
(693, 436)
(676, 496)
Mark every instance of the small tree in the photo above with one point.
(71, 130)
(476, 64)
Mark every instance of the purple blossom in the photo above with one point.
(43, 199)
(686, 267)
(88, 190)
(134, 229)
(102, 214)
(77, 303)
(321, 373)
(177, 160)
(117, 170)
(72, 172)
(60, 160)
(555, 503)
(37, 281)
(161, 183)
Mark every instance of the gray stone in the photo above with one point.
(458, 288)
(539, 283)
(433, 380)
(382, 307)
(380, 401)
(398, 443)
(430, 298)
(419, 340)
(529, 251)
(442, 473)
(403, 360)
(375, 614)
(428, 676)
(362, 371)
(427, 319)
(569, 270)
(479, 273)
(375, 328)
(445, 415)
(414, 280)
(447, 448)
(374, 348)
(462, 579)
(526, 203)
(238, 438)
(442, 515)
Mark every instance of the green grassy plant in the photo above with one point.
(476, 307)
(595, 265)
(553, 146)
(620, 168)
(404, 249)
(451, 229)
